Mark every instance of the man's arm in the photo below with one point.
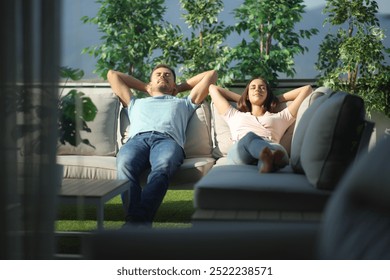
(122, 84)
(199, 85)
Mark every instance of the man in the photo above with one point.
(157, 134)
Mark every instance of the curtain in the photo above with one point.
(29, 176)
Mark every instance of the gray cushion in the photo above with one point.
(124, 123)
(222, 138)
(246, 241)
(332, 138)
(198, 134)
(104, 167)
(88, 167)
(103, 135)
(242, 187)
(285, 141)
(356, 222)
(305, 113)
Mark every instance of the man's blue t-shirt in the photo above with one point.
(165, 114)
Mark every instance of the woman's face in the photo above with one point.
(257, 92)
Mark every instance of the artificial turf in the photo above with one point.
(175, 212)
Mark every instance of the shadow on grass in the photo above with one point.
(175, 212)
(112, 212)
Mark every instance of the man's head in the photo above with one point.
(162, 80)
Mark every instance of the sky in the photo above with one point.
(76, 35)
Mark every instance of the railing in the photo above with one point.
(283, 84)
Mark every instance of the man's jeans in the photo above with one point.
(154, 150)
(247, 150)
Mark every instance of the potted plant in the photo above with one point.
(75, 110)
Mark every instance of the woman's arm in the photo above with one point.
(229, 95)
(221, 98)
(122, 84)
(296, 96)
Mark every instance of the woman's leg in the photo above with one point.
(246, 150)
(252, 149)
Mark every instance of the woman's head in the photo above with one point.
(257, 92)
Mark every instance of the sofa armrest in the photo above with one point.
(272, 241)
(365, 138)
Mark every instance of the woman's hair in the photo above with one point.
(244, 105)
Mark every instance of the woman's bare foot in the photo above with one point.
(279, 161)
(271, 160)
(267, 158)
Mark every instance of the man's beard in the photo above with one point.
(164, 88)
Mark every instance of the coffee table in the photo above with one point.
(91, 191)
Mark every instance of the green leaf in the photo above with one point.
(71, 73)
(355, 61)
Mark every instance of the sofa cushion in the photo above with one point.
(305, 113)
(124, 122)
(88, 167)
(222, 138)
(104, 167)
(191, 171)
(103, 135)
(332, 138)
(242, 187)
(356, 221)
(285, 141)
(198, 134)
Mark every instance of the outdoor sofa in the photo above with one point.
(355, 225)
(329, 133)
(109, 132)
(331, 202)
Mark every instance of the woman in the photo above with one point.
(255, 130)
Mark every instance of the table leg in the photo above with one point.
(100, 215)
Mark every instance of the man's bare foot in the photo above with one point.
(267, 158)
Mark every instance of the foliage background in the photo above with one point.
(273, 43)
(353, 58)
(75, 35)
(131, 45)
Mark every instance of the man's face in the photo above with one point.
(162, 81)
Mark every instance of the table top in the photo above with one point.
(91, 187)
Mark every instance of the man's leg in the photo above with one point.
(132, 161)
(166, 156)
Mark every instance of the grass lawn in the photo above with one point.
(175, 212)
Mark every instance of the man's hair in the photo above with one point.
(164, 66)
